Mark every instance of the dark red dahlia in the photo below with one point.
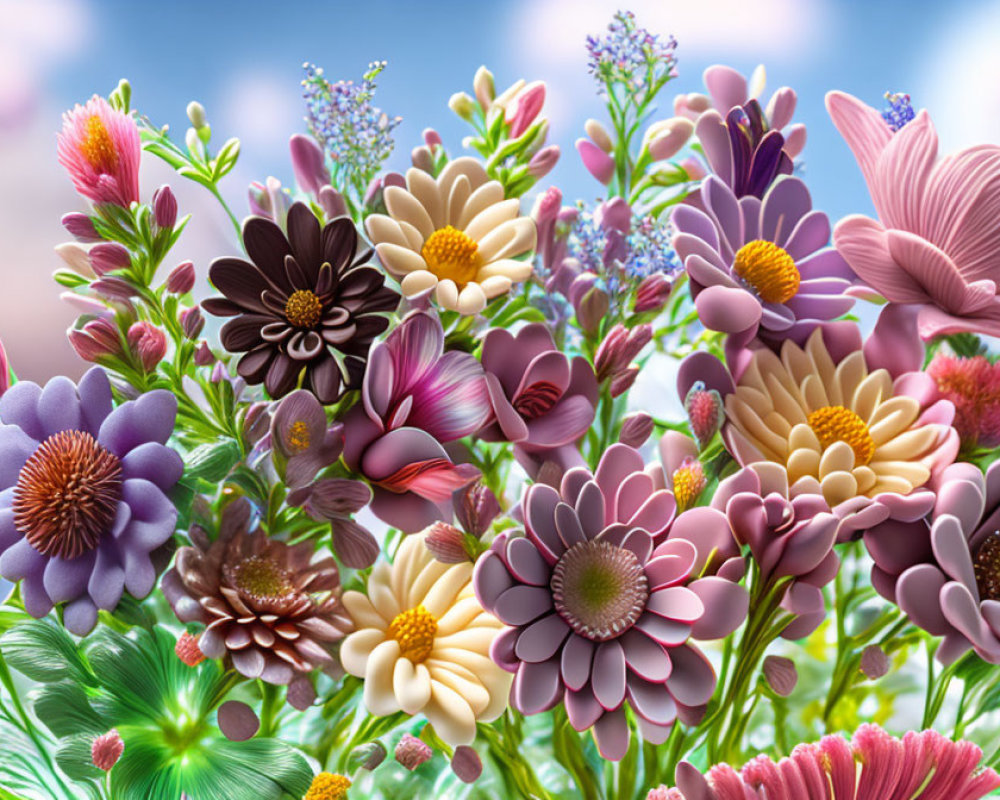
(306, 306)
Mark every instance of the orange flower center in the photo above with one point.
(262, 579)
(97, 146)
(451, 254)
(303, 309)
(328, 786)
(298, 436)
(689, 481)
(769, 270)
(838, 424)
(415, 631)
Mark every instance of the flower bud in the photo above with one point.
(623, 381)
(81, 227)
(652, 294)
(592, 309)
(108, 256)
(462, 104)
(614, 215)
(237, 721)
(694, 168)
(432, 138)
(466, 764)
(164, 207)
(636, 428)
(181, 278)
(598, 163)
(705, 413)
(76, 258)
(148, 343)
(97, 339)
(476, 507)
(308, 163)
(665, 138)
(332, 202)
(422, 158)
(187, 650)
(114, 289)
(446, 543)
(525, 108)
(543, 161)
(193, 142)
(192, 322)
(780, 674)
(369, 755)
(484, 88)
(196, 113)
(599, 134)
(688, 482)
(203, 355)
(106, 749)
(411, 752)
(874, 662)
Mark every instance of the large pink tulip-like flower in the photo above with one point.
(598, 616)
(935, 242)
(415, 398)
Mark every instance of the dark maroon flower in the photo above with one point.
(308, 306)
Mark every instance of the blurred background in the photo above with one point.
(243, 62)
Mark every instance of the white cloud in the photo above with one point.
(964, 98)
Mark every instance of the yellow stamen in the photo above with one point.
(97, 146)
(303, 309)
(298, 436)
(451, 253)
(261, 577)
(768, 269)
(415, 630)
(328, 786)
(689, 481)
(838, 424)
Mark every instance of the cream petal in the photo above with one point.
(450, 715)
(508, 240)
(893, 417)
(787, 403)
(516, 271)
(497, 682)
(838, 457)
(475, 202)
(456, 199)
(464, 168)
(909, 445)
(429, 574)
(496, 285)
(914, 473)
(473, 692)
(759, 401)
(870, 393)
(441, 595)
(357, 649)
(804, 437)
(385, 229)
(814, 393)
(890, 483)
(778, 423)
(476, 663)
(379, 697)
(823, 365)
(796, 362)
(362, 612)
(850, 373)
(459, 616)
(419, 281)
(411, 557)
(476, 639)
(413, 238)
(491, 218)
(774, 447)
(399, 260)
(425, 189)
(380, 593)
(865, 477)
(838, 487)
(802, 463)
(412, 685)
(446, 294)
(402, 205)
(471, 300)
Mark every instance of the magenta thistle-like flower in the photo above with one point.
(411, 752)
(704, 411)
(973, 385)
(187, 650)
(100, 149)
(415, 399)
(599, 616)
(106, 750)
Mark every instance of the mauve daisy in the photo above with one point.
(455, 234)
(306, 306)
(598, 617)
(83, 502)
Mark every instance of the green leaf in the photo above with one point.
(64, 708)
(213, 462)
(75, 759)
(226, 159)
(68, 278)
(43, 652)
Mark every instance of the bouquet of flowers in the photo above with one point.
(382, 517)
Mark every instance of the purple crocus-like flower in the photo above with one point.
(415, 399)
(84, 494)
(303, 441)
(542, 400)
(944, 570)
(599, 615)
(761, 266)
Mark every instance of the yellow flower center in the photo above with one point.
(261, 578)
(415, 631)
(768, 269)
(328, 786)
(303, 309)
(689, 481)
(838, 424)
(97, 146)
(451, 253)
(298, 436)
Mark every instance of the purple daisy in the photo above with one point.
(761, 265)
(944, 570)
(83, 502)
(599, 618)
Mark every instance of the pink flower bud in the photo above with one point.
(114, 289)
(623, 381)
(665, 138)
(192, 322)
(422, 158)
(596, 131)
(476, 507)
(148, 343)
(107, 749)
(525, 107)
(181, 278)
(636, 428)
(547, 207)
(466, 764)
(543, 161)
(609, 358)
(332, 202)
(484, 88)
(80, 227)
(308, 163)
(598, 163)
(187, 650)
(203, 355)
(614, 215)
(76, 258)
(694, 168)
(411, 752)
(780, 674)
(96, 340)
(446, 543)
(705, 412)
(874, 662)
(108, 256)
(638, 338)
(432, 138)
(652, 294)
(164, 207)
(592, 308)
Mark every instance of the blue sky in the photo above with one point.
(243, 61)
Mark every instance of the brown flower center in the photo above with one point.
(97, 146)
(536, 399)
(303, 309)
(262, 580)
(415, 630)
(769, 270)
(838, 424)
(987, 567)
(451, 254)
(298, 436)
(599, 589)
(67, 494)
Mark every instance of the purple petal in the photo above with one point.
(582, 708)
(237, 721)
(612, 734)
(536, 687)
(520, 605)
(490, 580)
(155, 463)
(653, 701)
(608, 674)
(59, 406)
(645, 657)
(80, 616)
(575, 661)
(354, 544)
(525, 563)
(107, 581)
(542, 639)
(676, 603)
(725, 605)
(16, 448)
(918, 594)
(19, 406)
(148, 419)
(66, 580)
(693, 680)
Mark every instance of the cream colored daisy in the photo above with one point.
(422, 644)
(455, 234)
(837, 428)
